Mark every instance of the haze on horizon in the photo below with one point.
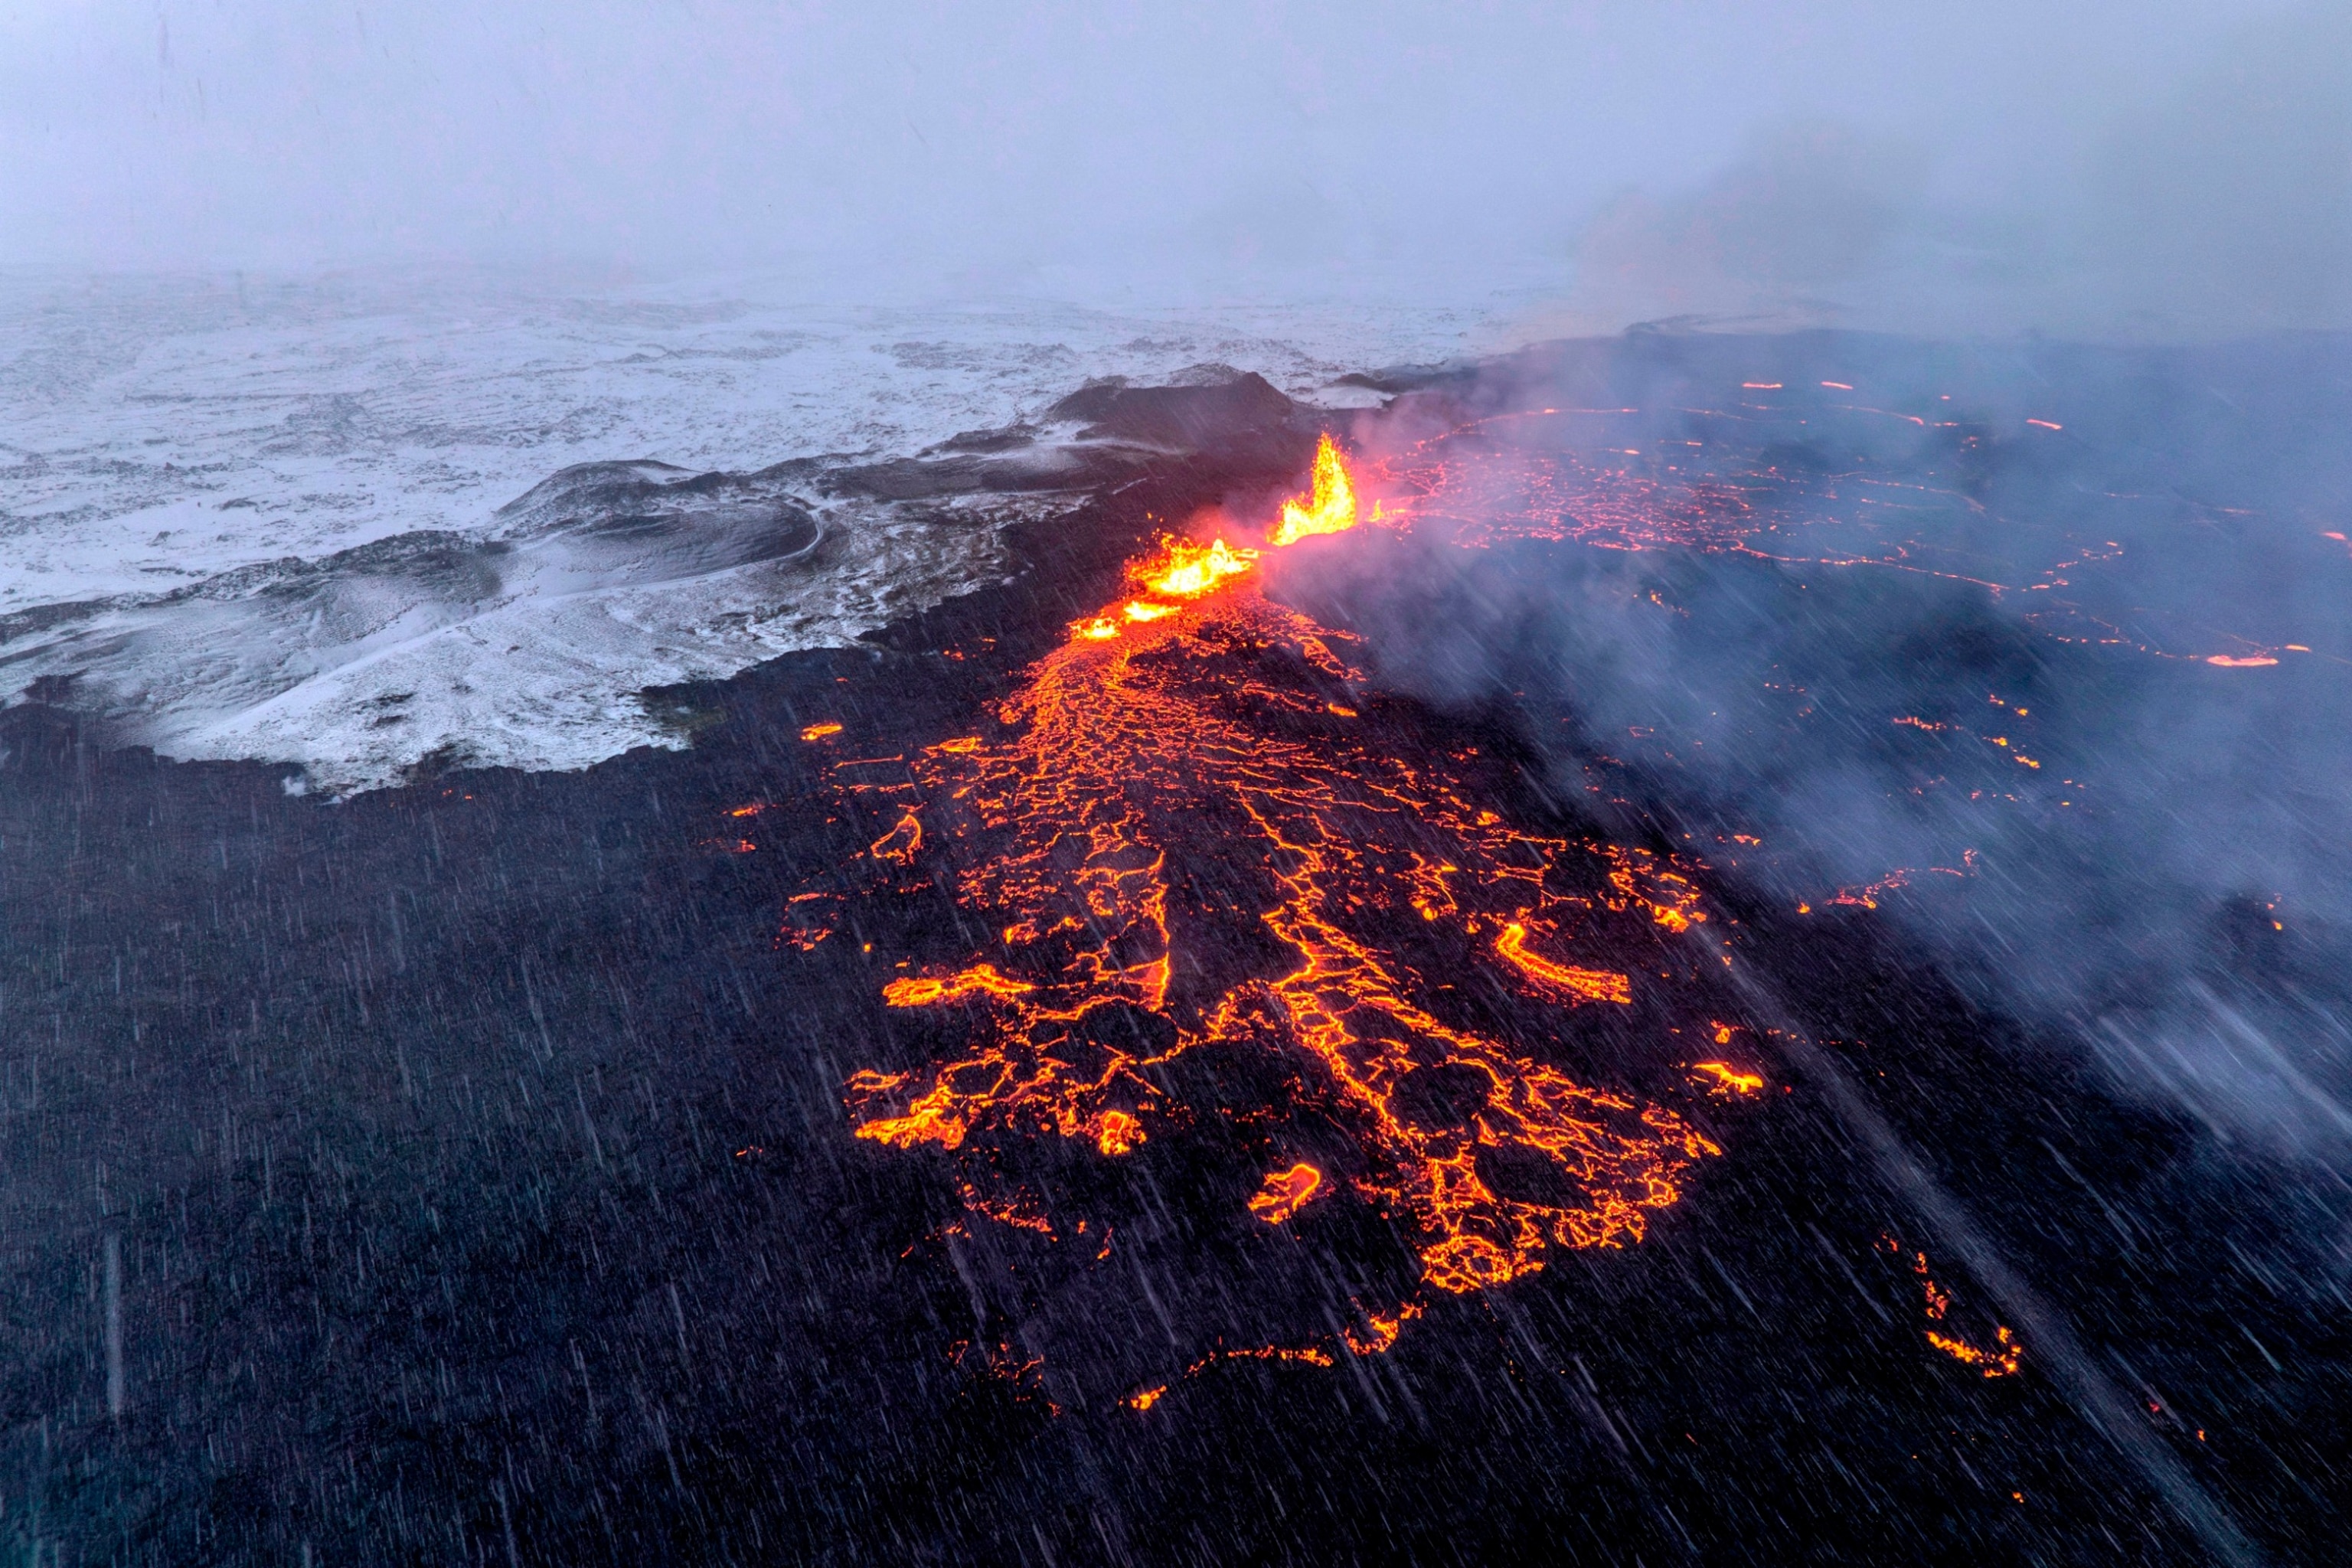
(2166, 168)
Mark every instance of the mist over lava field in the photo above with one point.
(1745, 962)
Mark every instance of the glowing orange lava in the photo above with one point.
(1578, 985)
(1202, 736)
(1330, 508)
(2001, 1360)
(1729, 1080)
(1997, 1363)
(1286, 1193)
(1189, 570)
(819, 731)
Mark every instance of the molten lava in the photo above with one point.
(1189, 571)
(1329, 507)
(1936, 1302)
(1190, 740)
(1286, 1193)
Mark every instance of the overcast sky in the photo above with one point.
(1885, 157)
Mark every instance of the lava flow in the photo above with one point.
(1181, 815)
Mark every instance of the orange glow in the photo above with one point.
(803, 929)
(1729, 1079)
(1285, 1193)
(1019, 1211)
(819, 731)
(1384, 1331)
(901, 842)
(1079, 837)
(1189, 570)
(2001, 1360)
(978, 978)
(1110, 758)
(1867, 896)
(1314, 1355)
(1579, 985)
(1146, 1399)
(1329, 507)
(1997, 1363)
(2256, 662)
(1117, 1133)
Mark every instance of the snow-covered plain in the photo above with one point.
(245, 519)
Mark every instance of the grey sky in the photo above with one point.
(981, 144)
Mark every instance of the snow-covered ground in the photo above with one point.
(261, 519)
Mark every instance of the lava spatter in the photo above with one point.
(1191, 737)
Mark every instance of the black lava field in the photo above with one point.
(1946, 746)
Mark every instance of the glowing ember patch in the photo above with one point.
(1146, 1399)
(1384, 1331)
(1997, 1363)
(2227, 662)
(1729, 1079)
(2045, 423)
(819, 731)
(1285, 1193)
(1019, 1212)
(1329, 507)
(1584, 984)
(1144, 610)
(1192, 570)
(1117, 1133)
(1840, 386)
(805, 929)
(2001, 1360)
(981, 979)
(900, 843)
(1312, 1355)
(1100, 628)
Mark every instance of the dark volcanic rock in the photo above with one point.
(461, 1173)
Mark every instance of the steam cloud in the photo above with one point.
(2166, 881)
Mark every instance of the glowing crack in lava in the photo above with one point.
(1181, 760)
(1286, 1193)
